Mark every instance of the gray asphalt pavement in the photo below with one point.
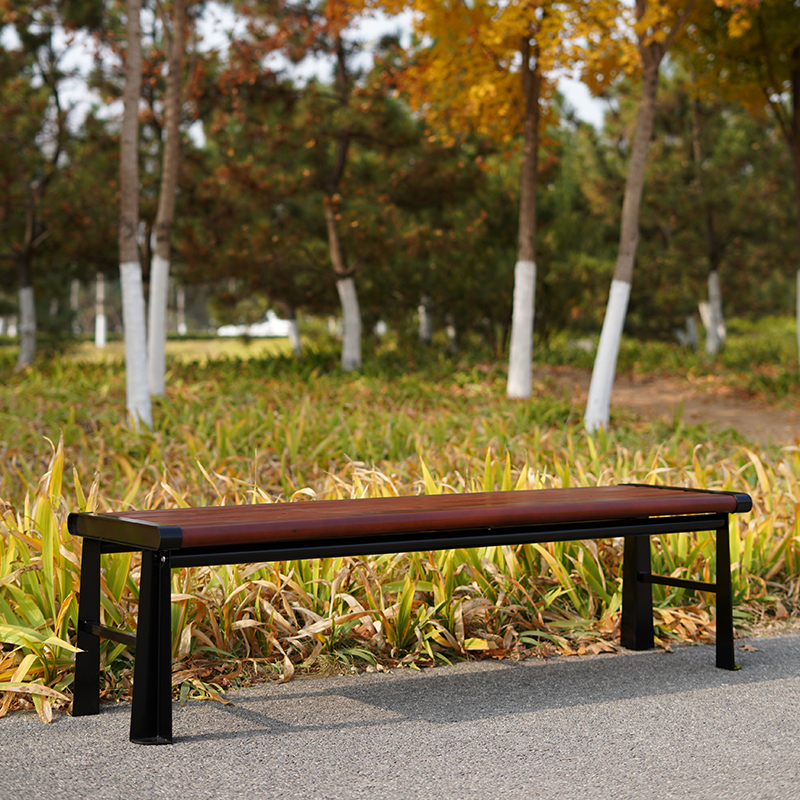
(634, 725)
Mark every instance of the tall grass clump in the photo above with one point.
(262, 431)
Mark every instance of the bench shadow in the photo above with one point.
(495, 689)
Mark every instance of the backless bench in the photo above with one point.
(189, 537)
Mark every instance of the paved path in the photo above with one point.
(637, 725)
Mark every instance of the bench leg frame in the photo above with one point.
(726, 657)
(636, 626)
(151, 716)
(86, 687)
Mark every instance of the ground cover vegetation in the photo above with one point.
(361, 193)
(280, 429)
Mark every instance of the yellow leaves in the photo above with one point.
(740, 21)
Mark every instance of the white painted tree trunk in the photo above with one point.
(715, 330)
(452, 333)
(27, 327)
(157, 324)
(520, 371)
(133, 321)
(294, 336)
(100, 329)
(12, 326)
(351, 324)
(606, 359)
(180, 301)
(425, 320)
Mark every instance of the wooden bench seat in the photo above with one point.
(174, 538)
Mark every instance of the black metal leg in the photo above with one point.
(726, 658)
(86, 688)
(636, 627)
(151, 716)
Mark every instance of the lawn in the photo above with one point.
(253, 424)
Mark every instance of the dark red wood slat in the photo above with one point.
(285, 522)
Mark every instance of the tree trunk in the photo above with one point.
(294, 333)
(521, 350)
(159, 272)
(651, 52)
(715, 330)
(345, 284)
(794, 146)
(74, 305)
(452, 334)
(425, 320)
(27, 304)
(351, 324)
(180, 302)
(714, 324)
(100, 328)
(130, 268)
(605, 363)
(346, 287)
(27, 320)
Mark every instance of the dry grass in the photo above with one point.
(259, 431)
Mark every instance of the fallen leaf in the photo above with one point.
(601, 646)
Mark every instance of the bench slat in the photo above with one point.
(216, 526)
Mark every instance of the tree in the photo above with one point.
(486, 66)
(133, 307)
(656, 28)
(34, 136)
(159, 271)
(322, 29)
(751, 51)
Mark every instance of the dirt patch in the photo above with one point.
(699, 401)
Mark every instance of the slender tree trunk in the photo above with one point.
(521, 350)
(794, 146)
(27, 314)
(651, 51)
(452, 333)
(346, 287)
(74, 305)
(100, 328)
(425, 319)
(130, 268)
(27, 303)
(605, 364)
(345, 284)
(294, 333)
(180, 302)
(159, 272)
(714, 324)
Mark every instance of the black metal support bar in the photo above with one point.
(679, 582)
(86, 687)
(726, 658)
(151, 715)
(636, 626)
(449, 540)
(108, 633)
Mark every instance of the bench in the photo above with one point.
(190, 537)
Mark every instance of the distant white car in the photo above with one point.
(271, 325)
